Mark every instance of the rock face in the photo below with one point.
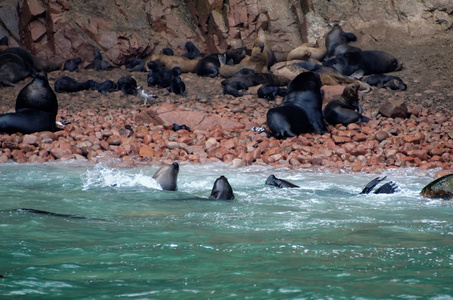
(122, 29)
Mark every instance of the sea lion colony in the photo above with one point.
(335, 63)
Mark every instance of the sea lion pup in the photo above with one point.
(337, 42)
(168, 51)
(171, 61)
(72, 64)
(192, 51)
(386, 81)
(209, 65)
(177, 86)
(305, 52)
(235, 88)
(301, 110)
(99, 63)
(367, 62)
(345, 109)
(270, 92)
(128, 85)
(222, 189)
(167, 176)
(387, 188)
(280, 183)
(66, 84)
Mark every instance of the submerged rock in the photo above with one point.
(440, 188)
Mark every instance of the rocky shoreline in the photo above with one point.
(117, 127)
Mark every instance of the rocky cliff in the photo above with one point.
(122, 29)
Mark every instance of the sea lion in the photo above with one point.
(27, 120)
(280, 183)
(365, 62)
(128, 85)
(301, 110)
(192, 51)
(66, 84)
(38, 94)
(270, 92)
(177, 86)
(386, 81)
(167, 176)
(222, 189)
(72, 64)
(305, 52)
(337, 42)
(209, 65)
(171, 61)
(168, 51)
(441, 188)
(99, 63)
(345, 109)
(260, 59)
(106, 87)
(136, 65)
(235, 88)
(387, 188)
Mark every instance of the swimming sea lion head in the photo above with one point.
(222, 189)
(166, 176)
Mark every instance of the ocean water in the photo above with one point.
(135, 241)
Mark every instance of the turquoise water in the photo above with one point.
(321, 241)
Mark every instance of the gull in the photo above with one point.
(145, 95)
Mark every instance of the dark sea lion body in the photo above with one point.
(345, 109)
(270, 92)
(27, 120)
(128, 85)
(167, 176)
(66, 84)
(222, 189)
(106, 87)
(337, 42)
(387, 188)
(280, 183)
(364, 62)
(72, 64)
(38, 94)
(301, 110)
(209, 65)
(192, 51)
(384, 81)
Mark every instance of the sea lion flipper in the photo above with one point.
(357, 74)
(370, 186)
(387, 188)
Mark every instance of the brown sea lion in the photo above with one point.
(167, 176)
(345, 109)
(305, 52)
(171, 61)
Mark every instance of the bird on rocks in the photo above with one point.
(145, 95)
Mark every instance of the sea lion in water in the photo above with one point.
(280, 183)
(301, 111)
(167, 176)
(345, 109)
(361, 63)
(222, 189)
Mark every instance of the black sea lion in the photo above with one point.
(222, 189)
(337, 42)
(66, 84)
(27, 120)
(136, 65)
(386, 81)
(106, 87)
(270, 92)
(280, 183)
(362, 63)
(38, 94)
(345, 109)
(301, 110)
(209, 65)
(387, 188)
(167, 176)
(192, 51)
(99, 63)
(72, 64)
(128, 85)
